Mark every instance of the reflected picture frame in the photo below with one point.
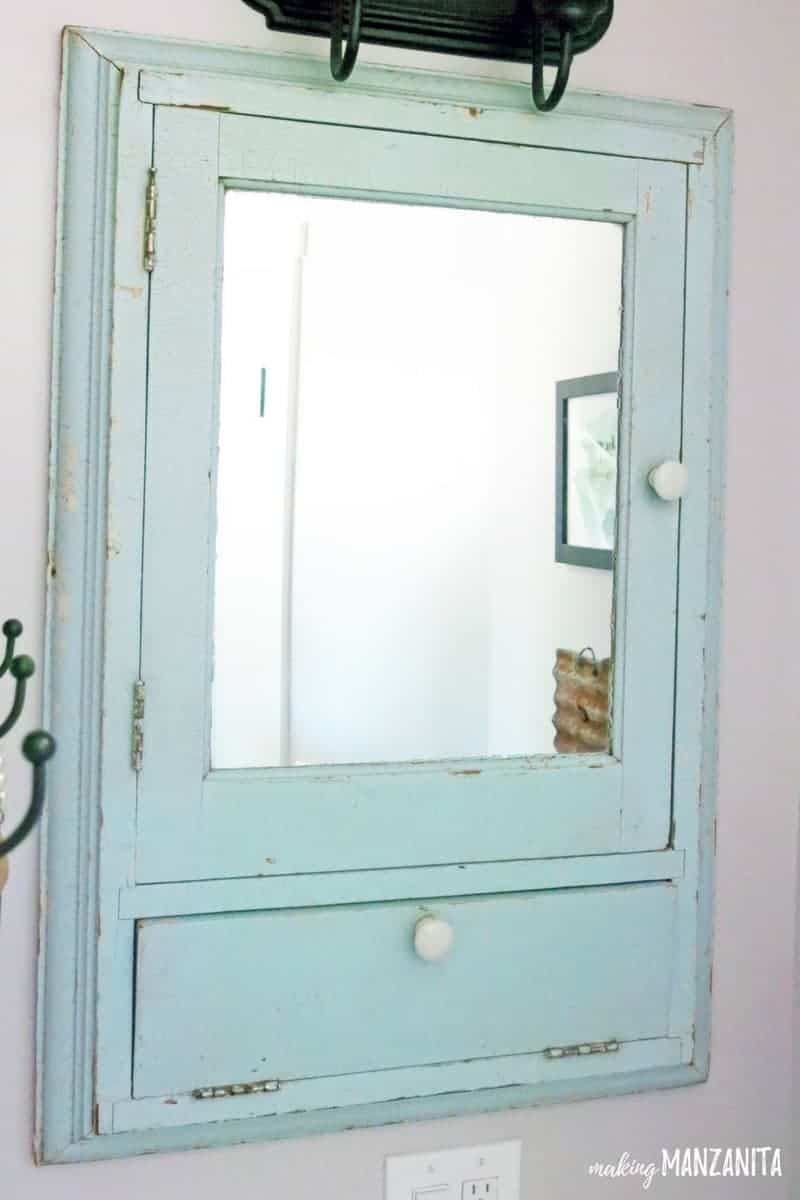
(587, 421)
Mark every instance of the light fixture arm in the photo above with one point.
(548, 103)
(570, 21)
(342, 62)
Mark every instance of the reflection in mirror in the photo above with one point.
(386, 586)
(592, 482)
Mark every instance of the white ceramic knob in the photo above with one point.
(669, 481)
(433, 939)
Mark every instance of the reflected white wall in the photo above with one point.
(401, 600)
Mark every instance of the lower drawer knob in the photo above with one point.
(433, 939)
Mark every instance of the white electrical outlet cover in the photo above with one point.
(493, 1171)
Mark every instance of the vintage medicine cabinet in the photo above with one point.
(322, 353)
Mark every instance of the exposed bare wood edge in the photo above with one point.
(720, 168)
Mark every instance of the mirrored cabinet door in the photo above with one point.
(407, 595)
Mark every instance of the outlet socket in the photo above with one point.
(480, 1189)
(474, 1173)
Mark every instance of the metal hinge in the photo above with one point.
(150, 213)
(137, 726)
(586, 1048)
(236, 1089)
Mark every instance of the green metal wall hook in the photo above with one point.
(22, 668)
(38, 747)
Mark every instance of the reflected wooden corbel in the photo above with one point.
(581, 718)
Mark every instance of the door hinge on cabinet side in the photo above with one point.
(137, 726)
(150, 214)
(236, 1089)
(585, 1048)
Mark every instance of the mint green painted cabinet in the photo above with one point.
(294, 944)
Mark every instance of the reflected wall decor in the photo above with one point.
(587, 418)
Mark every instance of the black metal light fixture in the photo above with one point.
(542, 32)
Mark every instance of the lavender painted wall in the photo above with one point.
(694, 50)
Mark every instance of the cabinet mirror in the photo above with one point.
(386, 587)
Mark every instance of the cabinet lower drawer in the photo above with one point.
(305, 993)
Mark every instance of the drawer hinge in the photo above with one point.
(236, 1089)
(585, 1048)
(150, 214)
(137, 726)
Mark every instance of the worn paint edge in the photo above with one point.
(311, 1124)
(526, 1070)
(472, 93)
(64, 1038)
(353, 887)
(721, 165)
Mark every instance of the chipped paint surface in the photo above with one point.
(213, 108)
(134, 291)
(70, 468)
(63, 606)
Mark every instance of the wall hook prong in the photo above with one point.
(548, 103)
(38, 747)
(12, 631)
(342, 62)
(572, 22)
(22, 667)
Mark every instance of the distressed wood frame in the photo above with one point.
(86, 846)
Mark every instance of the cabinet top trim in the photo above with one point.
(202, 75)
